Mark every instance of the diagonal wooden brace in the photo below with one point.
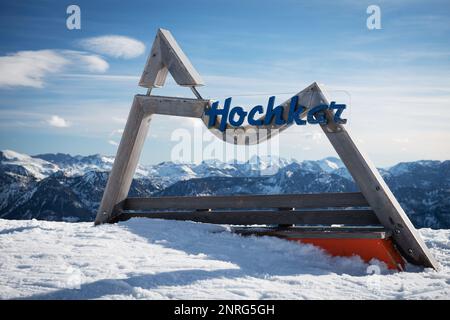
(132, 141)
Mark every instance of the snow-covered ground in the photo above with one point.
(155, 259)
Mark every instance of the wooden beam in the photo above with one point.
(125, 163)
(298, 201)
(155, 71)
(167, 56)
(357, 217)
(376, 191)
(172, 106)
(316, 233)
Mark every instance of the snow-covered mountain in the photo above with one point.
(79, 165)
(25, 165)
(65, 187)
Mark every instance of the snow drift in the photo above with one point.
(156, 259)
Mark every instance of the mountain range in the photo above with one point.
(62, 187)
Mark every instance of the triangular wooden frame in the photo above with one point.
(166, 56)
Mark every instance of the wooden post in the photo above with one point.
(376, 191)
(125, 163)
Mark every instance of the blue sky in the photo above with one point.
(60, 91)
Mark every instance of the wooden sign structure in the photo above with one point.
(374, 205)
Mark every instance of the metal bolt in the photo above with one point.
(397, 231)
(410, 251)
(377, 188)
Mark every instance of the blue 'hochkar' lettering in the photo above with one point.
(236, 116)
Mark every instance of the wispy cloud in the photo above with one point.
(114, 46)
(121, 120)
(116, 132)
(423, 22)
(112, 142)
(58, 122)
(30, 68)
(401, 140)
(89, 62)
(105, 77)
